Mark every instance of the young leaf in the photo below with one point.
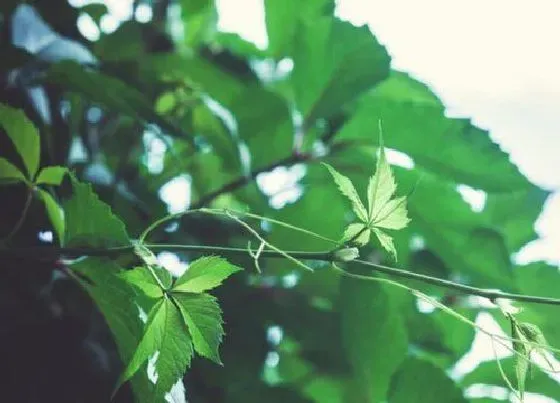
(348, 189)
(386, 242)
(142, 279)
(203, 317)
(51, 175)
(9, 172)
(522, 357)
(384, 212)
(535, 335)
(204, 274)
(55, 213)
(24, 136)
(358, 233)
(89, 221)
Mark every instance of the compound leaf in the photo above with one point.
(347, 188)
(204, 274)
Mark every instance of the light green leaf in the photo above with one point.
(89, 221)
(203, 317)
(142, 279)
(381, 184)
(52, 175)
(348, 189)
(386, 242)
(521, 358)
(152, 263)
(151, 340)
(393, 215)
(167, 342)
(374, 335)
(204, 274)
(24, 136)
(420, 381)
(334, 63)
(55, 213)
(357, 231)
(9, 172)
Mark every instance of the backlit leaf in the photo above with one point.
(204, 274)
(347, 188)
(9, 172)
(52, 175)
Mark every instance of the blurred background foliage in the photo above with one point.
(163, 112)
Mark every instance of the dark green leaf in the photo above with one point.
(204, 274)
(24, 135)
(415, 123)
(203, 317)
(335, 62)
(374, 335)
(419, 381)
(89, 221)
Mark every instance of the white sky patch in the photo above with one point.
(177, 393)
(87, 27)
(476, 198)
(154, 152)
(281, 184)
(272, 359)
(172, 263)
(399, 158)
(245, 18)
(177, 194)
(151, 370)
(143, 13)
(274, 334)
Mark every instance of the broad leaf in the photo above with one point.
(419, 381)
(55, 213)
(204, 274)
(143, 280)
(9, 172)
(347, 188)
(52, 175)
(117, 302)
(334, 63)
(451, 148)
(203, 317)
(23, 135)
(89, 221)
(374, 335)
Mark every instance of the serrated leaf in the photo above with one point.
(142, 279)
(55, 213)
(24, 135)
(167, 341)
(52, 175)
(347, 188)
(204, 274)
(534, 335)
(521, 358)
(357, 233)
(9, 172)
(203, 317)
(89, 221)
(386, 242)
(393, 215)
(151, 261)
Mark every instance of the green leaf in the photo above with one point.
(167, 342)
(89, 221)
(52, 175)
(334, 63)
(386, 242)
(358, 231)
(374, 335)
(55, 213)
(419, 381)
(9, 172)
(522, 358)
(152, 263)
(451, 148)
(204, 274)
(142, 279)
(117, 302)
(203, 317)
(347, 188)
(24, 135)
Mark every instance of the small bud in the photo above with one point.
(346, 254)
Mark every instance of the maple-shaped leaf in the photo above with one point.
(383, 211)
